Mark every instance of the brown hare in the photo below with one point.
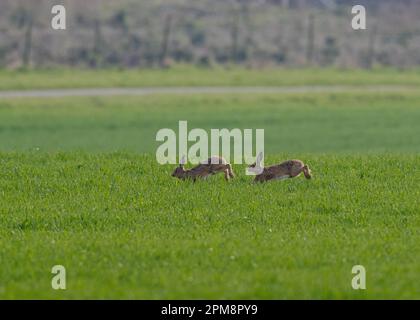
(284, 170)
(205, 169)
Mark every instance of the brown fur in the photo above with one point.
(284, 170)
(210, 167)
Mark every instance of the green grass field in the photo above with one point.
(80, 187)
(125, 229)
(293, 122)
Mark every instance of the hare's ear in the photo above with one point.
(259, 159)
(183, 161)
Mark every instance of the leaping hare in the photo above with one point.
(284, 170)
(205, 169)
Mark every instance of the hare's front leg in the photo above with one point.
(230, 171)
(307, 172)
(304, 169)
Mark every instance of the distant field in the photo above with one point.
(80, 186)
(125, 229)
(189, 76)
(314, 123)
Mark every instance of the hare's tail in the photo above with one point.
(307, 172)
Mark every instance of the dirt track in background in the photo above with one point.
(86, 92)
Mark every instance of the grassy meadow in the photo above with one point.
(315, 122)
(125, 229)
(80, 187)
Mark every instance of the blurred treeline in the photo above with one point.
(151, 33)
